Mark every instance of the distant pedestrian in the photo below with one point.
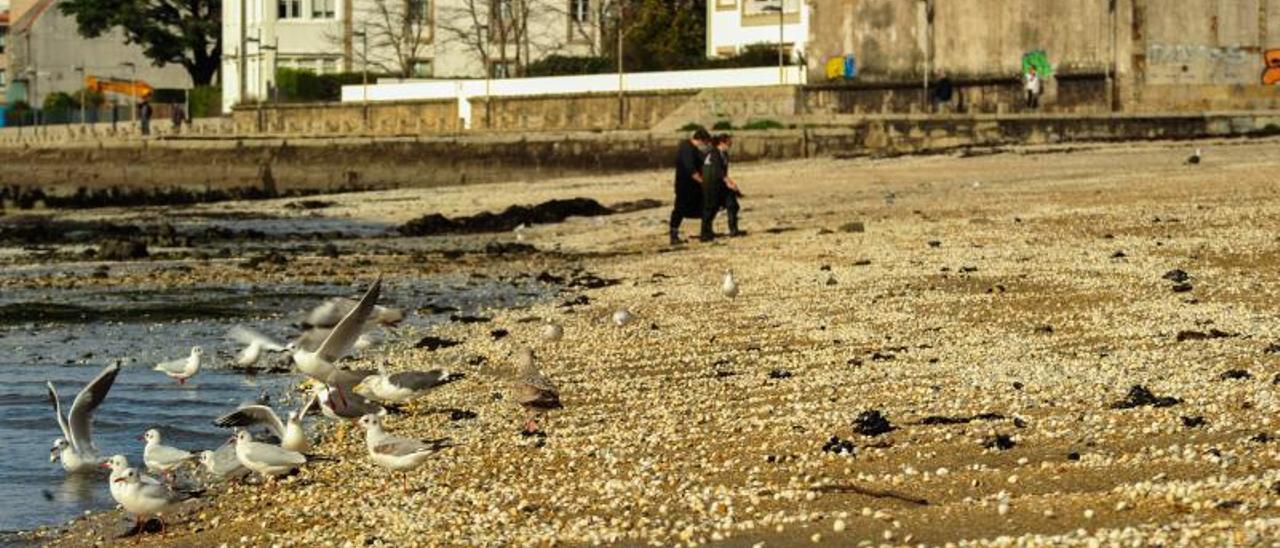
(144, 115)
(179, 116)
(689, 158)
(1033, 86)
(719, 189)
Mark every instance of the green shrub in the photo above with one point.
(206, 101)
(722, 125)
(763, 124)
(60, 102)
(565, 65)
(690, 127)
(305, 86)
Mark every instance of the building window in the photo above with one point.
(767, 7)
(726, 4)
(4, 32)
(3, 81)
(580, 10)
(323, 9)
(504, 9)
(420, 10)
(423, 68)
(328, 66)
(499, 69)
(288, 9)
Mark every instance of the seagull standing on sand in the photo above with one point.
(400, 387)
(319, 363)
(183, 369)
(552, 331)
(160, 458)
(290, 431)
(255, 343)
(143, 498)
(622, 317)
(222, 463)
(1194, 159)
(393, 452)
(730, 287)
(75, 448)
(533, 391)
(266, 459)
(118, 464)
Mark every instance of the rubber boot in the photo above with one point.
(675, 236)
(733, 225)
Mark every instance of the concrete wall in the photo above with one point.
(430, 161)
(1165, 54)
(311, 119)
(640, 111)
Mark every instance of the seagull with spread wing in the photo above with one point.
(255, 342)
(75, 448)
(290, 431)
(319, 364)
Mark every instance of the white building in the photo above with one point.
(411, 39)
(732, 25)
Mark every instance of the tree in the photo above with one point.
(398, 32)
(503, 31)
(183, 32)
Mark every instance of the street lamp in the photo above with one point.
(622, 101)
(782, 71)
(33, 77)
(133, 90)
(363, 33)
(83, 95)
(483, 38)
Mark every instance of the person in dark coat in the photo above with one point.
(719, 189)
(689, 158)
(144, 114)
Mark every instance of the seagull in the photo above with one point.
(266, 459)
(118, 464)
(622, 317)
(730, 287)
(75, 448)
(143, 498)
(255, 343)
(333, 311)
(552, 331)
(319, 363)
(222, 464)
(400, 387)
(290, 431)
(161, 458)
(340, 402)
(393, 452)
(519, 230)
(182, 369)
(533, 391)
(1194, 159)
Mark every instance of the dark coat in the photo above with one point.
(688, 191)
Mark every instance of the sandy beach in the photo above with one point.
(925, 350)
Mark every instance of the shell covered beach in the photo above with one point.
(1047, 346)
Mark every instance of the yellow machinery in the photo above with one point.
(137, 88)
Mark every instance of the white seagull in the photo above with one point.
(75, 448)
(266, 459)
(143, 498)
(255, 342)
(341, 403)
(730, 287)
(393, 452)
(332, 312)
(117, 464)
(160, 458)
(290, 431)
(622, 317)
(183, 369)
(400, 387)
(222, 463)
(319, 363)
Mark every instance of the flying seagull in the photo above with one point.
(255, 342)
(75, 448)
(319, 364)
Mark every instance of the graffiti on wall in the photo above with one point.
(842, 68)
(1199, 64)
(1271, 72)
(1038, 59)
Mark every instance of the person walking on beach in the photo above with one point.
(689, 158)
(1033, 87)
(144, 115)
(719, 189)
(178, 118)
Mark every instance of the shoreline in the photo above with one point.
(992, 310)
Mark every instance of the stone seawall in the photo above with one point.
(391, 162)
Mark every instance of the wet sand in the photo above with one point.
(994, 311)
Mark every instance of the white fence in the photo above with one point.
(465, 90)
